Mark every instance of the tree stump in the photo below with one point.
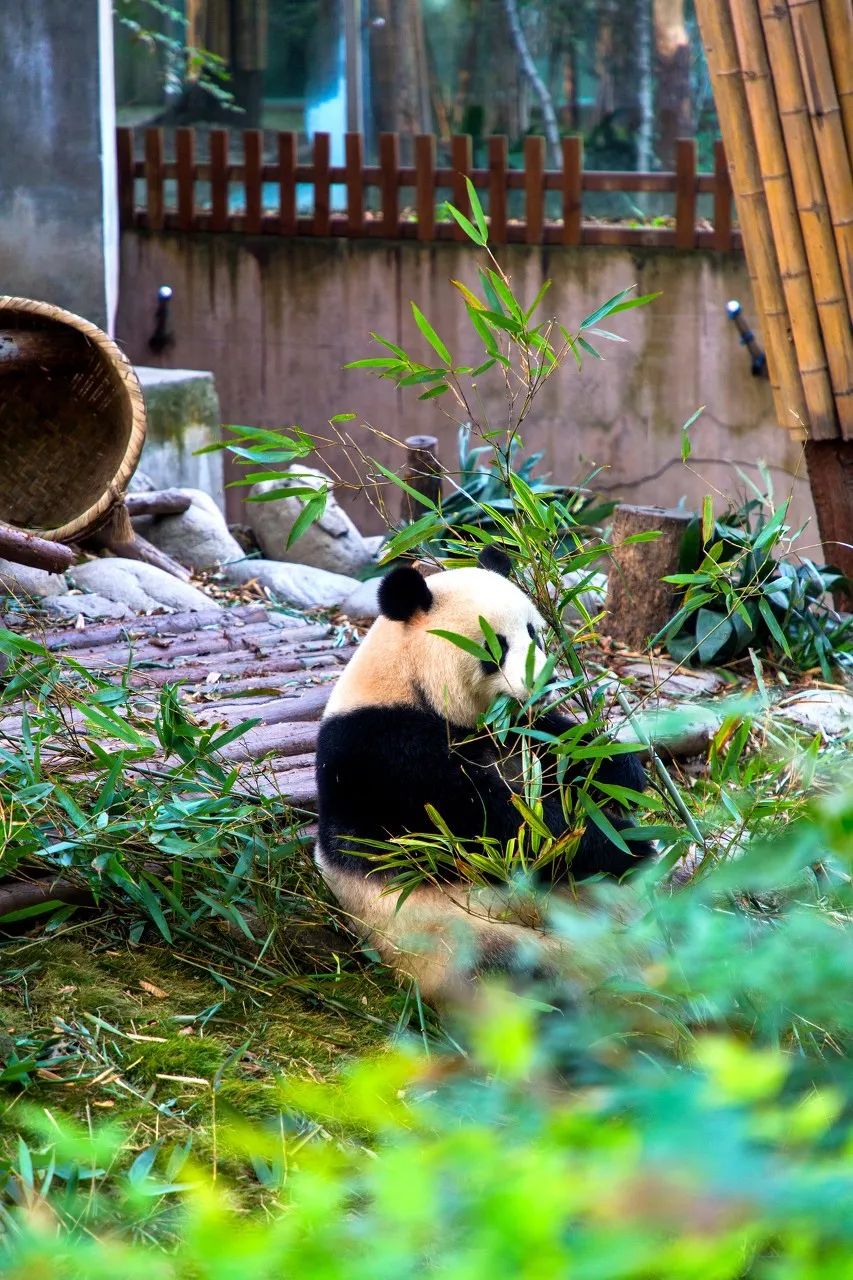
(423, 474)
(638, 603)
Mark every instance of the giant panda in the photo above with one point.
(398, 734)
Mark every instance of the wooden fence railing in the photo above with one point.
(263, 190)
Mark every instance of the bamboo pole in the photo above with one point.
(812, 206)
(782, 209)
(724, 65)
(838, 21)
(827, 127)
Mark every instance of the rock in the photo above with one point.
(592, 595)
(364, 601)
(679, 731)
(23, 580)
(197, 538)
(671, 679)
(332, 542)
(138, 585)
(141, 482)
(827, 710)
(90, 606)
(301, 585)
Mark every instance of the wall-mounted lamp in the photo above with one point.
(162, 337)
(747, 337)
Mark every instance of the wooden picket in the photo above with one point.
(164, 184)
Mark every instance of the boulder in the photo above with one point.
(592, 596)
(92, 607)
(140, 586)
(364, 601)
(197, 538)
(332, 542)
(679, 731)
(300, 585)
(827, 710)
(23, 580)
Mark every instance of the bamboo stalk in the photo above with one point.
(724, 65)
(838, 21)
(827, 127)
(782, 210)
(815, 222)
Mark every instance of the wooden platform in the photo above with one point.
(242, 663)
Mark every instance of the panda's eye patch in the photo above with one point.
(534, 636)
(489, 668)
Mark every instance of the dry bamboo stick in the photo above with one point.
(782, 209)
(825, 116)
(721, 50)
(838, 21)
(812, 205)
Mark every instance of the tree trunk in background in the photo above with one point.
(489, 94)
(236, 31)
(674, 106)
(399, 74)
(531, 75)
(645, 87)
(248, 60)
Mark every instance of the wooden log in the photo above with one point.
(638, 603)
(25, 548)
(172, 624)
(812, 207)
(274, 740)
(422, 473)
(830, 467)
(118, 536)
(27, 349)
(724, 65)
(21, 894)
(784, 220)
(308, 705)
(162, 502)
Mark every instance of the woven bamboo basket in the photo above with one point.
(72, 421)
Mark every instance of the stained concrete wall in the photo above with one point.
(58, 225)
(275, 320)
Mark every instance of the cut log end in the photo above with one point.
(638, 602)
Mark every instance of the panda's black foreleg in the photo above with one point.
(596, 854)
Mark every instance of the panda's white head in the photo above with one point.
(402, 661)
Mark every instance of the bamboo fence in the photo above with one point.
(782, 73)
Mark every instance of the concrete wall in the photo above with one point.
(275, 320)
(58, 229)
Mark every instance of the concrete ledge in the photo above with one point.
(183, 416)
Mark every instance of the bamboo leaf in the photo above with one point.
(467, 226)
(707, 519)
(462, 642)
(407, 488)
(430, 334)
(601, 821)
(477, 209)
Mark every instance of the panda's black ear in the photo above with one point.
(492, 558)
(402, 593)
